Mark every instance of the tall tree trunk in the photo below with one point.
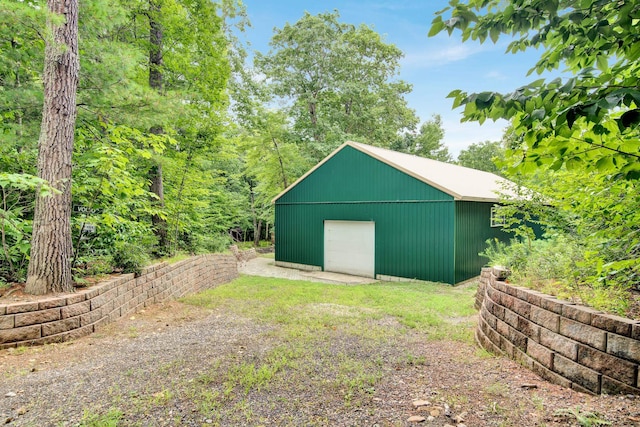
(256, 224)
(282, 172)
(257, 234)
(51, 247)
(156, 82)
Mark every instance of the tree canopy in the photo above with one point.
(590, 119)
(427, 142)
(482, 156)
(340, 82)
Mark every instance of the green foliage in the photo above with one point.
(111, 418)
(17, 192)
(130, 257)
(589, 120)
(556, 265)
(583, 418)
(574, 141)
(339, 82)
(290, 303)
(114, 149)
(427, 142)
(481, 156)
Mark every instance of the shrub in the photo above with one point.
(559, 265)
(130, 257)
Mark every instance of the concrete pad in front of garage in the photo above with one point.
(262, 266)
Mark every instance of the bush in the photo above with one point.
(130, 257)
(217, 242)
(94, 266)
(561, 266)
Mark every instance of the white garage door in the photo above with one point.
(350, 247)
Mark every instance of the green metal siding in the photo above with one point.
(351, 175)
(421, 232)
(413, 240)
(472, 230)
(414, 221)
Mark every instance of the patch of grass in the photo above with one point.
(109, 419)
(208, 402)
(356, 378)
(484, 354)
(584, 418)
(161, 398)
(19, 350)
(247, 376)
(176, 258)
(497, 389)
(289, 302)
(416, 360)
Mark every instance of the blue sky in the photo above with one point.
(433, 65)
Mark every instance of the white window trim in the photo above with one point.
(497, 220)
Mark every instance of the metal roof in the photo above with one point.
(458, 181)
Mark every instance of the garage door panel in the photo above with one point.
(349, 247)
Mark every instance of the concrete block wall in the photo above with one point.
(243, 256)
(566, 343)
(65, 317)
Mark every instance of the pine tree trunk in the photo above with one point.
(51, 247)
(156, 82)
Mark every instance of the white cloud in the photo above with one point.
(437, 53)
(496, 75)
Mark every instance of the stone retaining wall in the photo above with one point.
(69, 316)
(243, 256)
(565, 343)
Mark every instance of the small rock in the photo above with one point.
(462, 425)
(430, 418)
(529, 386)
(459, 418)
(447, 411)
(10, 394)
(208, 421)
(21, 411)
(435, 412)
(416, 419)
(8, 420)
(419, 402)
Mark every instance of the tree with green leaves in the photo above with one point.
(588, 120)
(116, 108)
(339, 81)
(482, 156)
(427, 142)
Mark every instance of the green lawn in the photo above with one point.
(318, 305)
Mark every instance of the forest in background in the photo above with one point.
(183, 136)
(181, 142)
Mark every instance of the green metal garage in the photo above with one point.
(374, 212)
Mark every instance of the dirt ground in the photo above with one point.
(170, 366)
